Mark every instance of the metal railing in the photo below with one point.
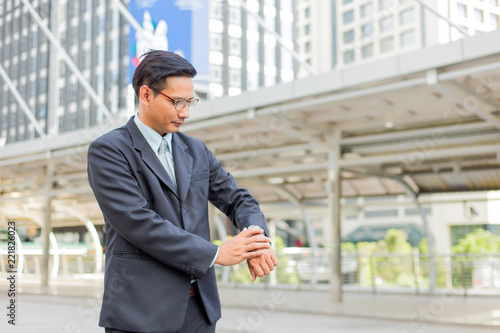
(465, 273)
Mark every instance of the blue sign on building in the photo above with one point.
(179, 26)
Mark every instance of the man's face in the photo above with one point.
(159, 112)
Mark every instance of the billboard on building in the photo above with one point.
(179, 26)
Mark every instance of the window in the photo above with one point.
(234, 15)
(461, 10)
(367, 30)
(234, 46)
(386, 24)
(367, 10)
(216, 10)
(458, 232)
(307, 29)
(387, 44)
(348, 56)
(407, 16)
(386, 4)
(415, 211)
(347, 1)
(478, 15)
(349, 36)
(381, 213)
(348, 16)
(367, 51)
(407, 38)
(235, 78)
(494, 20)
(216, 41)
(494, 2)
(307, 47)
(307, 12)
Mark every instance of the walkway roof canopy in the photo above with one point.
(429, 117)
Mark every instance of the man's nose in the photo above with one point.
(184, 113)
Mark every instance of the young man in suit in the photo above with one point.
(153, 185)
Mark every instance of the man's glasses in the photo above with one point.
(180, 104)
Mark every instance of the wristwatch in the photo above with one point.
(258, 226)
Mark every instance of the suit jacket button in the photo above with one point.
(183, 266)
(192, 271)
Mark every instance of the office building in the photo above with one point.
(373, 29)
(243, 54)
(94, 36)
(231, 50)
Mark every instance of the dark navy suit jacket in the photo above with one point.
(159, 237)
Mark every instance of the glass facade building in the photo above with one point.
(242, 56)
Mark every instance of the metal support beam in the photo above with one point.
(22, 103)
(92, 231)
(311, 235)
(126, 14)
(221, 230)
(47, 228)
(85, 84)
(486, 116)
(414, 195)
(300, 135)
(333, 190)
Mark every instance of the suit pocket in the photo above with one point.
(133, 255)
(200, 176)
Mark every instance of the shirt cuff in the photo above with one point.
(215, 258)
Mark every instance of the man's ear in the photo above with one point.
(145, 95)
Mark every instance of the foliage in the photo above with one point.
(423, 247)
(397, 242)
(348, 248)
(479, 241)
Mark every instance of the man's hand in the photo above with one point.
(262, 265)
(246, 245)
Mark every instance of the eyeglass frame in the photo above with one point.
(175, 101)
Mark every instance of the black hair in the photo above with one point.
(156, 66)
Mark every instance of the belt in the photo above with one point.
(192, 291)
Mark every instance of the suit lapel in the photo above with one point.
(183, 165)
(148, 156)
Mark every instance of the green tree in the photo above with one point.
(480, 241)
(397, 242)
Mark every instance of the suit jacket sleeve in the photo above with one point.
(124, 205)
(236, 202)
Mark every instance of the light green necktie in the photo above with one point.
(166, 158)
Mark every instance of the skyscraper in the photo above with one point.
(245, 55)
(245, 48)
(93, 35)
(373, 29)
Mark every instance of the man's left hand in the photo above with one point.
(262, 265)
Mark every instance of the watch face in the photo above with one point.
(255, 226)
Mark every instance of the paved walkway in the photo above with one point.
(272, 310)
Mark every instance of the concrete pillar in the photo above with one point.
(333, 201)
(46, 227)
